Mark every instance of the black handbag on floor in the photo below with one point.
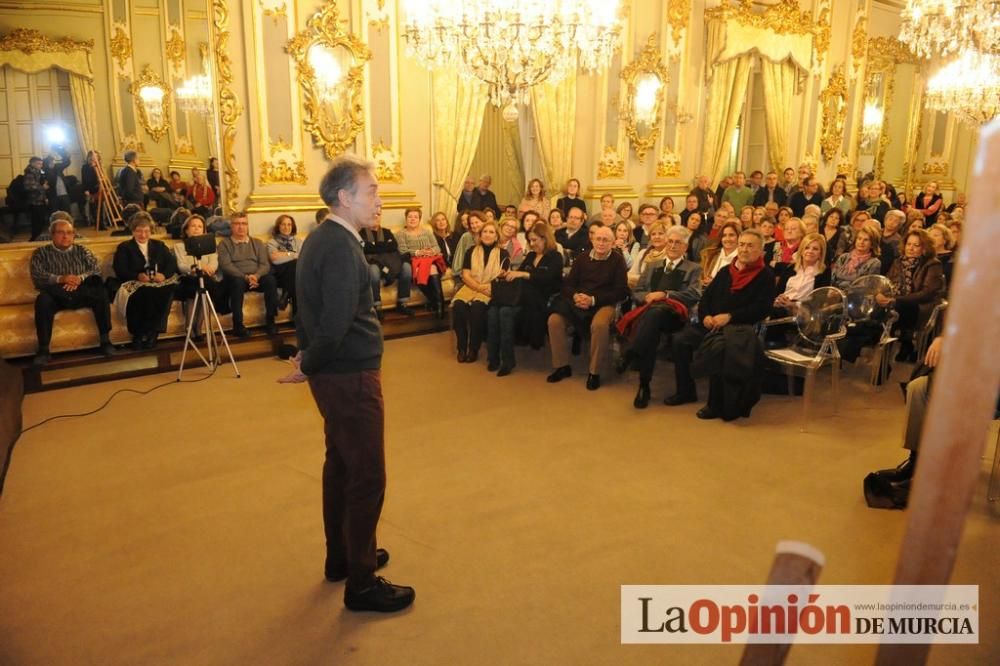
(505, 293)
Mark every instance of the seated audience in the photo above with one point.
(795, 231)
(607, 203)
(667, 208)
(789, 182)
(809, 194)
(730, 351)
(158, 190)
(839, 198)
(443, 236)
(480, 266)
(831, 227)
(702, 190)
(624, 242)
(574, 237)
(647, 218)
(929, 203)
(556, 219)
(720, 254)
(624, 213)
(944, 247)
(770, 192)
(188, 287)
(175, 223)
(283, 250)
(148, 273)
(861, 260)
(511, 243)
(67, 277)
(534, 199)
(738, 194)
(212, 176)
(418, 245)
(386, 264)
(877, 205)
(918, 277)
(460, 229)
(746, 217)
(571, 199)
(541, 272)
(698, 239)
(596, 283)
(766, 229)
(654, 254)
(201, 194)
(810, 272)
(959, 202)
(177, 187)
(666, 291)
(245, 267)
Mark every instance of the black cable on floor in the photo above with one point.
(112, 396)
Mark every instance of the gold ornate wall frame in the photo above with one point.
(146, 113)
(175, 50)
(282, 167)
(611, 164)
(332, 128)
(229, 107)
(833, 105)
(647, 70)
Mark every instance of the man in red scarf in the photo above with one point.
(738, 296)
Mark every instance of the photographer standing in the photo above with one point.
(341, 343)
(54, 171)
(35, 188)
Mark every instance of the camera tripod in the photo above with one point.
(203, 303)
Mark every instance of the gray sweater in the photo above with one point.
(337, 329)
(241, 259)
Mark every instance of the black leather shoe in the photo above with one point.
(504, 370)
(462, 357)
(137, 342)
(338, 573)
(382, 597)
(593, 382)
(404, 310)
(41, 358)
(493, 366)
(642, 397)
(107, 350)
(472, 356)
(559, 374)
(679, 399)
(241, 332)
(901, 472)
(150, 341)
(706, 413)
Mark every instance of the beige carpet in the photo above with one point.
(184, 527)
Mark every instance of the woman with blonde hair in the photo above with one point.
(534, 199)
(810, 272)
(481, 264)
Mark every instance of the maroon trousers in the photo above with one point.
(354, 471)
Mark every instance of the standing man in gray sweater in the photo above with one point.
(341, 342)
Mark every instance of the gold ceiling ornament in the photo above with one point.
(330, 63)
(611, 164)
(669, 164)
(641, 111)
(176, 51)
(229, 106)
(935, 166)
(152, 101)
(833, 103)
(784, 17)
(32, 41)
(678, 15)
(388, 166)
(121, 46)
(859, 45)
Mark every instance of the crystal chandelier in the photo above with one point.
(942, 28)
(195, 95)
(968, 87)
(512, 45)
(871, 124)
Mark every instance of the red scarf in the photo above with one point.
(788, 252)
(741, 277)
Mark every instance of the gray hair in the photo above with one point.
(343, 176)
(682, 233)
(57, 218)
(140, 219)
(129, 156)
(756, 234)
(897, 213)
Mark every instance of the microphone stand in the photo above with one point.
(203, 303)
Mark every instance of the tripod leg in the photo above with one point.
(189, 342)
(222, 334)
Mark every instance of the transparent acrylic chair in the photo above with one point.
(931, 329)
(821, 320)
(864, 310)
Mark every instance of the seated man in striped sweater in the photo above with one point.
(67, 277)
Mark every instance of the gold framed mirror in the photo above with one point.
(833, 103)
(152, 102)
(330, 64)
(645, 83)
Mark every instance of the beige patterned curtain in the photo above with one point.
(458, 118)
(554, 109)
(81, 90)
(779, 80)
(726, 96)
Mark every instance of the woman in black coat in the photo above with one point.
(542, 272)
(148, 272)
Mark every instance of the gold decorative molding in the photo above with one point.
(648, 64)
(176, 51)
(810, 161)
(678, 14)
(183, 146)
(121, 45)
(845, 167)
(51, 7)
(131, 142)
(283, 166)
(32, 41)
(892, 49)
(859, 44)
(821, 33)
(784, 18)
(334, 130)
(935, 166)
(388, 167)
(274, 10)
(611, 164)
(669, 164)
(229, 106)
(833, 104)
(150, 79)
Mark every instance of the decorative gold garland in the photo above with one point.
(32, 41)
(230, 108)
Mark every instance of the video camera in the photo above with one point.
(199, 246)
